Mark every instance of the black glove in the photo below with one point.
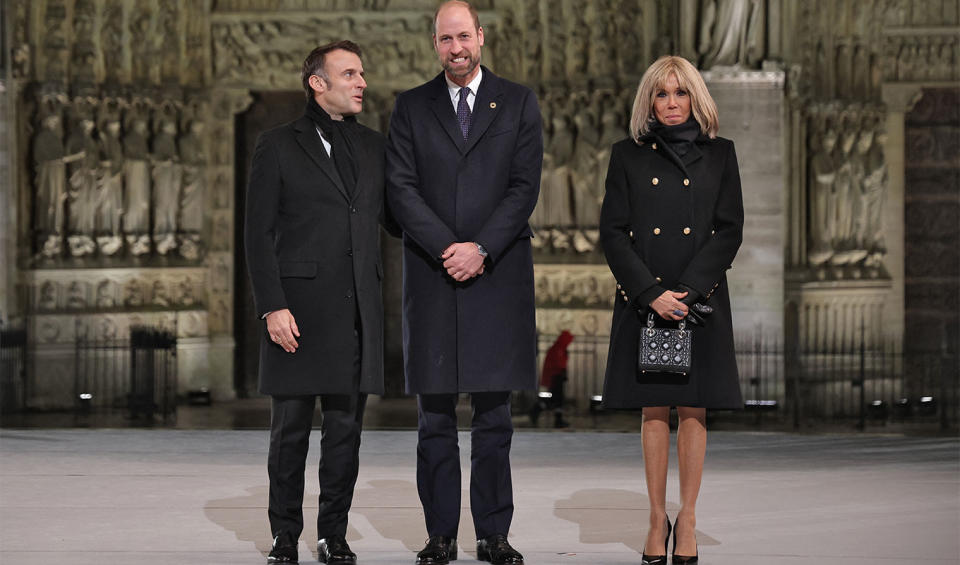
(696, 310)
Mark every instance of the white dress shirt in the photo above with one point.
(454, 89)
(326, 144)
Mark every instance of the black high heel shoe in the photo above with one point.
(684, 559)
(657, 559)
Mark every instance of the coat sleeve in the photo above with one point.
(512, 214)
(259, 231)
(404, 201)
(705, 270)
(636, 281)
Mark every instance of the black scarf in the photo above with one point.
(679, 137)
(343, 138)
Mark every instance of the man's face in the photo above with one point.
(458, 43)
(342, 94)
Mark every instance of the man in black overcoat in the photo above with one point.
(463, 175)
(312, 238)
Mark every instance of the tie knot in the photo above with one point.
(464, 92)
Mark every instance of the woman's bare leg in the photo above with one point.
(655, 436)
(691, 449)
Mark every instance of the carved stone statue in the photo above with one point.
(48, 155)
(193, 190)
(136, 218)
(166, 187)
(557, 188)
(844, 199)
(822, 196)
(874, 195)
(731, 33)
(109, 201)
(84, 161)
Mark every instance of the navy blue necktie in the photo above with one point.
(463, 112)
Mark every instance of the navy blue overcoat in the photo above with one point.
(478, 335)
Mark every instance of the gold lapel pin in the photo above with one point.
(493, 104)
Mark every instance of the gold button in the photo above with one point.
(686, 231)
(618, 285)
(686, 182)
(625, 299)
(631, 234)
(713, 232)
(655, 181)
(659, 280)
(623, 292)
(654, 146)
(656, 231)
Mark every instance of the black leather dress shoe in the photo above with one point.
(334, 550)
(496, 549)
(284, 550)
(439, 550)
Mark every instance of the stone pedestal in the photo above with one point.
(750, 105)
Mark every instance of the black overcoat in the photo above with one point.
(667, 221)
(479, 335)
(313, 246)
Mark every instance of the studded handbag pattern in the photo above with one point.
(665, 350)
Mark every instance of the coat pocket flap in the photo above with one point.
(298, 269)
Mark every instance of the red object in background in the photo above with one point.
(556, 359)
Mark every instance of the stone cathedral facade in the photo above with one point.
(125, 136)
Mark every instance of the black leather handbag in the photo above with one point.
(665, 350)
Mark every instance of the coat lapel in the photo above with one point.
(443, 109)
(485, 107)
(309, 140)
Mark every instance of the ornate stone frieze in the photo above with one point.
(574, 286)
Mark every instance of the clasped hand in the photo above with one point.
(668, 305)
(462, 261)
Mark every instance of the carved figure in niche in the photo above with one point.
(76, 298)
(51, 193)
(568, 289)
(731, 33)
(166, 186)
(168, 48)
(589, 324)
(577, 49)
(160, 296)
(140, 42)
(109, 201)
(111, 41)
(844, 198)
(861, 147)
(874, 195)
(48, 296)
(591, 292)
(136, 219)
(55, 39)
(586, 203)
(84, 164)
(83, 63)
(132, 294)
(823, 174)
(557, 187)
(193, 190)
(221, 276)
(861, 73)
(543, 292)
(187, 296)
(104, 294)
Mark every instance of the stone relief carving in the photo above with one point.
(574, 286)
(50, 181)
(846, 192)
(731, 33)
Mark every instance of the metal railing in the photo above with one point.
(13, 369)
(136, 374)
(863, 384)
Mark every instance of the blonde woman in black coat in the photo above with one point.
(670, 227)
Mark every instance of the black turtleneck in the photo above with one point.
(679, 137)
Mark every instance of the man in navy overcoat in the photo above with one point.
(463, 175)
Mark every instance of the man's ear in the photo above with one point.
(317, 84)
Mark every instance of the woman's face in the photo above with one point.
(671, 104)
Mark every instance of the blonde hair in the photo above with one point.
(702, 106)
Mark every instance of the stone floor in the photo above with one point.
(168, 496)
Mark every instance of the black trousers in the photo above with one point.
(290, 423)
(438, 463)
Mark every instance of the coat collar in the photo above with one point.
(693, 155)
(485, 108)
(309, 140)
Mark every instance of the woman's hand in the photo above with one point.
(669, 307)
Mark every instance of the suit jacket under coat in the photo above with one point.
(479, 335)
(313, 246)
(667, 221)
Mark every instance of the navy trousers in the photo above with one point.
(438, 463)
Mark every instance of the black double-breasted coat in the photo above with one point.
(478, 335)
(667, 221)
(313, 246)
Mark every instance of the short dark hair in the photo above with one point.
(313, 64)
(467, 5)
